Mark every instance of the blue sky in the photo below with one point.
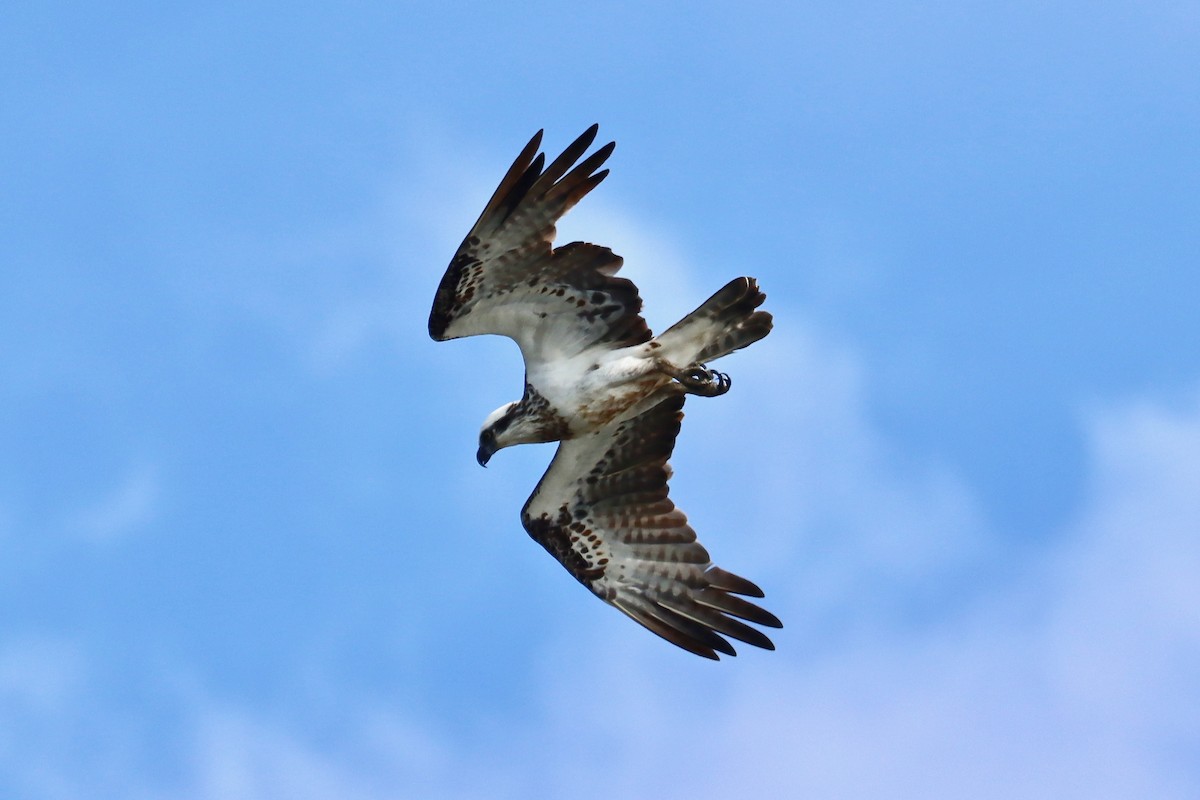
(245, 550)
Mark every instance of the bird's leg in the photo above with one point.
(699, 379)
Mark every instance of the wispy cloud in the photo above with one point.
(922, 656)
(42, 680)
(369, 277)
(1076, 677)
(1126, 632)
(653, 258)
(129, 506)
(1073, 676)
(41, 674)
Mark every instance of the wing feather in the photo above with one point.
(603, 510)
(506, 279)
(644, 613)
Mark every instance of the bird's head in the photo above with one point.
(499, 430)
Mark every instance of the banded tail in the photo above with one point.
(725, 322)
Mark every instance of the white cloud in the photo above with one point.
(825, 514)
(653, 259)
(127, 508)
(339, 288)
(40, 674)
(1076, 677)
(1069, 673)
(237, 756)
(41, 681)
(1126, 631)
(1079, 678)
(1050, 678)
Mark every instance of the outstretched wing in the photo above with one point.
(506, 279)
(602, 509)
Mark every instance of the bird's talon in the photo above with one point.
(703, 381)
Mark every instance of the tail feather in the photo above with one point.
(725, 322)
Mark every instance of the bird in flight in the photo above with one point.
(611, 393)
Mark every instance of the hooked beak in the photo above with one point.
(484, 455)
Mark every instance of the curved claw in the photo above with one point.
(700, 380)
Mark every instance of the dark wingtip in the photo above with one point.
(602, 154)
(768, 619)
(723, 579)
(590, 134)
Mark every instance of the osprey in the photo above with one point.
(599, 383)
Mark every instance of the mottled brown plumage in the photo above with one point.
(599, 383)
(603, 510)
(506, 260)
